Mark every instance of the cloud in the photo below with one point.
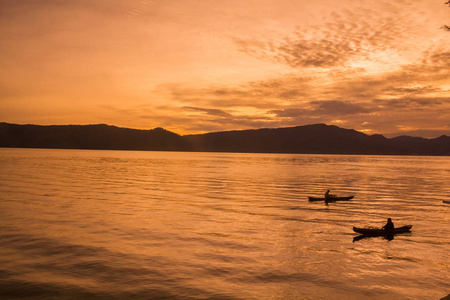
(410, 104)
(210, 111)
(323, 108)
(342, 39)
(418, 90)
(338, 107)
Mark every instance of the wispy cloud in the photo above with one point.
(346, 37)
(210, 111)
(323, 108)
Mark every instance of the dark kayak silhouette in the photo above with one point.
(330, 199)
(381, 232)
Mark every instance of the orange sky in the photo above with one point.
(194, 66)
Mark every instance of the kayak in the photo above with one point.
(331, 199)
(381, 232)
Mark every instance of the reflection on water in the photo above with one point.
(362, 237)
(151, 225)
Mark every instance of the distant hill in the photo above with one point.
(318, 139)
(309, 139)
(101, 136)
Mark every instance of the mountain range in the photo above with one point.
(308, 139)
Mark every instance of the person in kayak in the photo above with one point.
(389, 227)
(327, 196)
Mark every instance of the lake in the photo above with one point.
(81, 224)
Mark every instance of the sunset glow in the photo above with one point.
(195, 66)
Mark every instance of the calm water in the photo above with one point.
(78, 224)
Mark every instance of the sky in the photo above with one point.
(195, 66)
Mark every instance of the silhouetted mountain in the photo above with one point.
(422, 146)
(319, 139)
(88, 137)
(313, 139)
